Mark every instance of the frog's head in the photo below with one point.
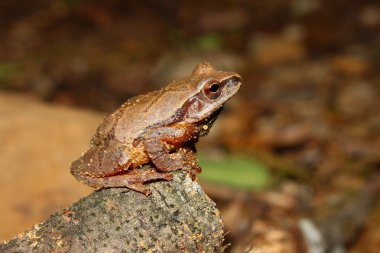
(210, 89)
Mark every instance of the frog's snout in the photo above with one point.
(232, 84)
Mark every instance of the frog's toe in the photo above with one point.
(192, 170)
(167, 176)
(196, 169)
(147, 192)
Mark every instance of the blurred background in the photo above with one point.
(293, 162)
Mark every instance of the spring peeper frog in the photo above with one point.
(158, 129)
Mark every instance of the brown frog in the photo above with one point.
(158, 129)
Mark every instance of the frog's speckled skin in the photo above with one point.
(159, 128)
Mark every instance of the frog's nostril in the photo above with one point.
(233, 81)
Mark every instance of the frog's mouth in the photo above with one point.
(207, 123)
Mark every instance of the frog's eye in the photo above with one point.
(212, 89)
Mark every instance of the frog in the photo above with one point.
(151, 135)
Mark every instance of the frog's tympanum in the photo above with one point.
(158, 129)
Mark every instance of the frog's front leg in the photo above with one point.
(164, 147)
(189, 157)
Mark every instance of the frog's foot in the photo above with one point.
(191, 161)
(193, 171)
(181, 160)
(133, 180)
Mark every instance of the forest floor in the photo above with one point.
(308, 109)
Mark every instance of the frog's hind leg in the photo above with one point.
(133, 180)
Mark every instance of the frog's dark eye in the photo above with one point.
(212, 89)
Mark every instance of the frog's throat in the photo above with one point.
(206, 124)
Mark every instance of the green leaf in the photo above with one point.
(234, 170)
(209, 42)
(8, 71)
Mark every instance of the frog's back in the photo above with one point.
(132, 118)
(107, 128)
(147, 111)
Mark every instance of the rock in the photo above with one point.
(177, 217)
